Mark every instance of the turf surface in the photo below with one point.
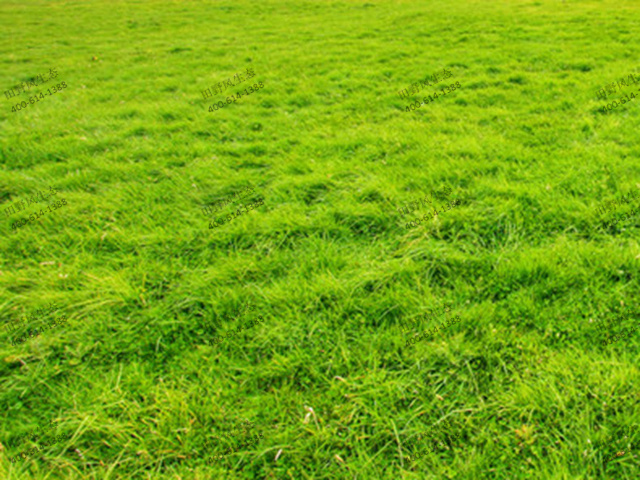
(139, 376)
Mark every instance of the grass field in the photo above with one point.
(139, 382)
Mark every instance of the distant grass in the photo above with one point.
(327, 143)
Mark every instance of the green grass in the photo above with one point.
(327, 261)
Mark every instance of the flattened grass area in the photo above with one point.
(327, 378)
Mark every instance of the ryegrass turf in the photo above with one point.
(327, 260)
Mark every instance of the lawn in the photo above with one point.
(319, 240)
